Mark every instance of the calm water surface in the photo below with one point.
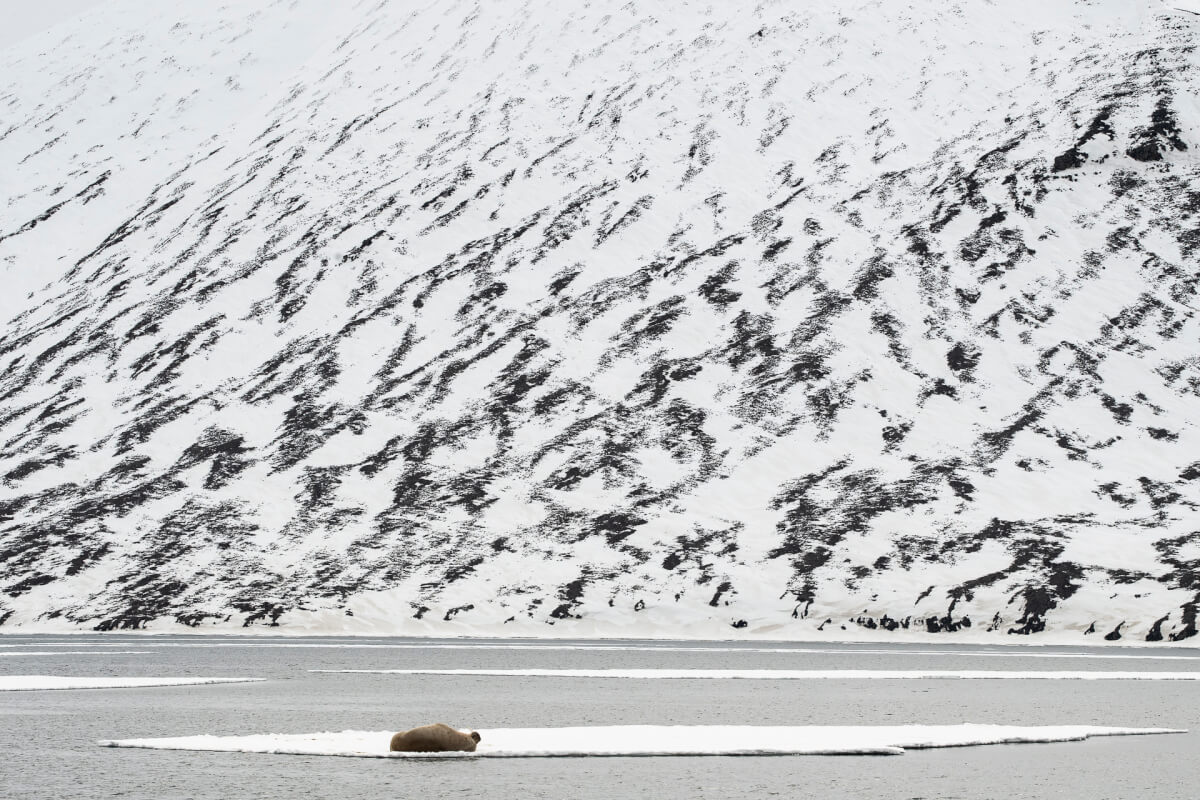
(47, 738)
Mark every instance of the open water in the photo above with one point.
(48, 750)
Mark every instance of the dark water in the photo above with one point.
(47, 738)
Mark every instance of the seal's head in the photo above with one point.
(475, 735)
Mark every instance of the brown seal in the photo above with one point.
(436, 738)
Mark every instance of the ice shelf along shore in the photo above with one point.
(603, 646)
(797, 674)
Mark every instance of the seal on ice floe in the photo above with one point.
(436, 738)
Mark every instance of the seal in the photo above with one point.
(435, 738)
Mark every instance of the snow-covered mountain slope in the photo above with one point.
(604, 318)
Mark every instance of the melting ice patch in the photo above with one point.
(653, 740)
(798, 674)
(17, 683)
(74, 653)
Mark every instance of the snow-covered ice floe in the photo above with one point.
(14, 653)
(797, 674)
(17, 683)
(653, 740)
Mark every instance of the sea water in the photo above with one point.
(47, 738)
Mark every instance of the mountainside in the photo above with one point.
(544, 319)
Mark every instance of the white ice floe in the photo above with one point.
(17, 683)
(797, 674)
(653, 740)
(73, 653)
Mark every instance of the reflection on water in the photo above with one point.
(49, 737)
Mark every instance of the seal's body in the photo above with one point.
(436, 738)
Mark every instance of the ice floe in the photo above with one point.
(797, 674)
(653, 740)
(17, 683)
(10, 654)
